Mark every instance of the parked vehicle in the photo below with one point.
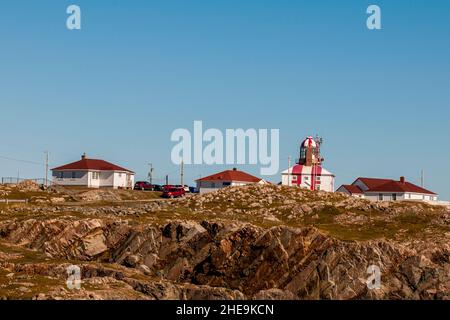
(193, 190)
(143, 185)
(173, 192)
(185, 187)
(157, 187)
(167, 186)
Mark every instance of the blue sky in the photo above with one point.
(140, 69)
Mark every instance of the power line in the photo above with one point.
(21, 160)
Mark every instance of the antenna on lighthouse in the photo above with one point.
(319, 142)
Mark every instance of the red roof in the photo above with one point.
(91, 164)
(231, 175)
(389, 185)
(352, 189)
(373, 182)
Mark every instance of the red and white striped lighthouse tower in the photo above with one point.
(310, 152)
(308, 171)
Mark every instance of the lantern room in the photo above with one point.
(310, 152)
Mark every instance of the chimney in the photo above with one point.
(83, 156)
(402, 179)
(234, 169)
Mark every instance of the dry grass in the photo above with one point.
(329, 215)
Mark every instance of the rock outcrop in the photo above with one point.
(234, 260)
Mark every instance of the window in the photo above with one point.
(380, 197)
(302, 153)
(306, 178)
(226, 184)
(61, 175)
(74, 175)
(294, 178)
(95, 175)
(394, 197)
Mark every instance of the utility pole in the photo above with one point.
(150, 173)
(422, 178)
(167, 179)
(289, 171)
(46, 169)
(182, 173)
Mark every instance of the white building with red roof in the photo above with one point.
(226, 178)
(93, 173)
(308, 171)
(387, 189)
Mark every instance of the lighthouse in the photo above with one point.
(308, 171)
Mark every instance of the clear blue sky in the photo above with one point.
(140, 69)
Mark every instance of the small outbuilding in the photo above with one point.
(225, 179)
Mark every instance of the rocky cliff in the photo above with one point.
(205, 256)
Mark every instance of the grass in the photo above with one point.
(373, 224)
(15, 193)
(35, 284)
(374, 227)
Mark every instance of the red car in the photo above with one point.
(173, 192)
(143, 185)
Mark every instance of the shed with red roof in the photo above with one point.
(225, 179)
